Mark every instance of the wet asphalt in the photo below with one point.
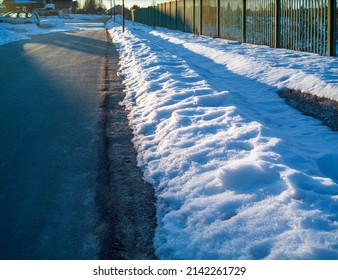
(70, 187)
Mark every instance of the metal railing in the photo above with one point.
(303, 25)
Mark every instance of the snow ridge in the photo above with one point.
(238, 174)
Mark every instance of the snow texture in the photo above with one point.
(10, 32)
(237, 172)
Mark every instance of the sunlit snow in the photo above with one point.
(238, 173)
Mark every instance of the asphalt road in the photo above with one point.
(55, 164)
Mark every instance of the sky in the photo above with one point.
(129, 3)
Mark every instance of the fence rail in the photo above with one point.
(304, 25)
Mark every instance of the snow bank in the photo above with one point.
(7, 36)
(280, 68)
(238, 173)
(10, 32)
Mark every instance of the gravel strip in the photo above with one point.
(321, 108)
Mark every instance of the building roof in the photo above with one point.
(22, 1)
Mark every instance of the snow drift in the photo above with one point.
(238, 173)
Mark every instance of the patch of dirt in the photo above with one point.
(322, 108)
(126, 203)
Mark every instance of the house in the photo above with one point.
(62, 4)
(23, 5)
(30, 5)
(118, 10)
(115, 10)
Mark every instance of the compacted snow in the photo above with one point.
(238, 173)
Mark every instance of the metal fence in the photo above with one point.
(304, 25)
(230, 19)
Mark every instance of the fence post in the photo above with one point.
(155, 15)
(176, 15)
(331, 32)
(184, 21)
(193, 17)
(123, 16)
(201, 17)
(243, 21)
(168, 11)
(218, 18)
(165, 23)
(277, 27)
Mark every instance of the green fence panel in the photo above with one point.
(304, 25)
(173, 15)
(198, 18)
(210, 18)
(151, 16)
(230, 19)
(260, 22)
(162, 17)
(167, 15)
(146, 16)
(189, 16)
(134, 16)
(157, 15)
(139, 15)
(180, 14)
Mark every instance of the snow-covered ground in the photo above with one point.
(10, 33)
(238, 173)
